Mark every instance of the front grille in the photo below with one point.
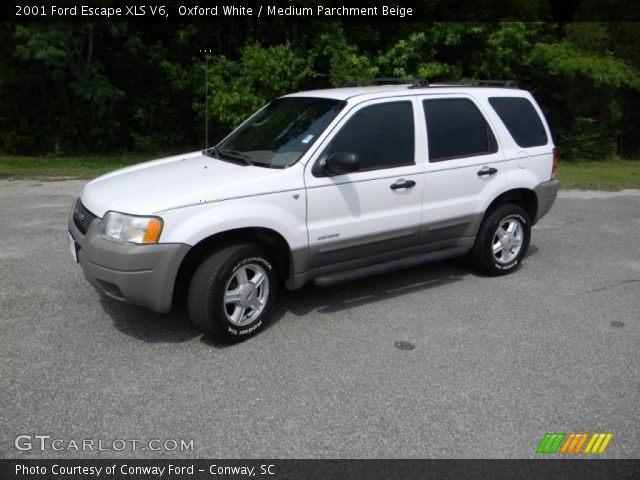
(82, 217)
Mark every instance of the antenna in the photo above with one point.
(206, 101)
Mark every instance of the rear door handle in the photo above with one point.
(487, 171)
(402, 183)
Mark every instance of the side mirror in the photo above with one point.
(340, 163)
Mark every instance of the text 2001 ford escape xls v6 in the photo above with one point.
(322, 186)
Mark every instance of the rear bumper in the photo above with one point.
(138, 274)
(546, 193)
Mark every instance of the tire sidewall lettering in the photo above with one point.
(259, 260)
(245, 331)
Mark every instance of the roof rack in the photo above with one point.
(420, 83)
(424, 83)
(477, 83)
(377, 81)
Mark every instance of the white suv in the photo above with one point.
(323, 186)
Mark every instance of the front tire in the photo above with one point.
(502, 241)
(232, 293)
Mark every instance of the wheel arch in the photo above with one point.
(266, 238)
(523, 197)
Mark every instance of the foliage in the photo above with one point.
(509, 47)
(603, 70)
(597, 88)
(586, 139)
(238, 88)
(112, 87)
(344, 60)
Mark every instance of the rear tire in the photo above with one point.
(232, 292)
(502, 241)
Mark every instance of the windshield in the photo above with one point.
(279, 134)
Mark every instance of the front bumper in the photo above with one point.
(138, 274)
(546, 193)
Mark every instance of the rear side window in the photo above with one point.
(381, 135)
(521, 119)
(457, 129)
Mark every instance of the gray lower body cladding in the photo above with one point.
(546, 193)
(138, 274)
(452, 237)
(448, 238)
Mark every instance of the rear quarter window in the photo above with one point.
(521, 119)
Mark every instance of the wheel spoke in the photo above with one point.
(237, 314)
(232, 296)
(514, 228)
(241, 275)
(497, 248)
(255, 303)
(258, 279)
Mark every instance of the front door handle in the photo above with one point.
(487, 171)
(402, 183)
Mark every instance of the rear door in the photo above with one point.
(465, 167)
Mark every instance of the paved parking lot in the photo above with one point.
(435, 361)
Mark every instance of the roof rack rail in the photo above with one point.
(498, 83)
(424, 83)
(478, 83)
(420, 83)
(377, 81)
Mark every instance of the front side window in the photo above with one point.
(279, 134)
(457, 129)
(381, 135)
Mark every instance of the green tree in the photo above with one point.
(237, 88)
(588, 88)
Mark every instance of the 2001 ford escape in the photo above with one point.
(328, 186)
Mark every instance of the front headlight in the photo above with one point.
(129, 228)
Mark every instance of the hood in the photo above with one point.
(172, 182)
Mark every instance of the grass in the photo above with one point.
(79, 167)
(610, 175)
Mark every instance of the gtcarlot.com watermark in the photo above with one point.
(27, 442)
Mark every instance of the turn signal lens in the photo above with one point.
(152, 234)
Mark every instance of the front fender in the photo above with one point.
(283, 212)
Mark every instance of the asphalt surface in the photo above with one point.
(435, 361)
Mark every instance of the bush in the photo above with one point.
(587, 140)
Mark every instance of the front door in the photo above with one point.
(378, 208)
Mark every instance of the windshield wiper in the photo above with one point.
(234, 154)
